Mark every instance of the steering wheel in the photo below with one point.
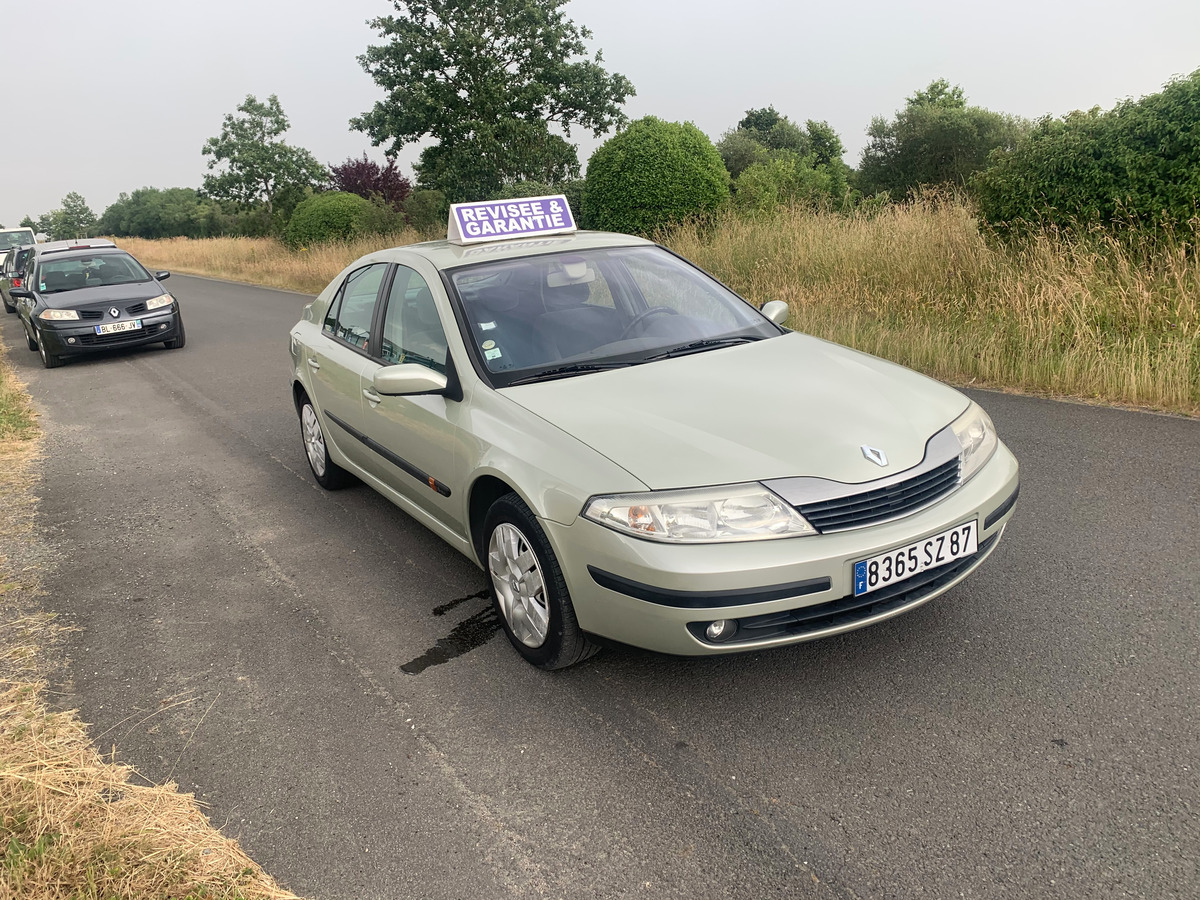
(646, 314)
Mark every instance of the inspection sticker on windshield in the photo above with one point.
(905, 562)
(115, 327)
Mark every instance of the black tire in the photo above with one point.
(177, 342)
(30, 342)
(329, 474)
(8, 307)
(49, 360)
(564, 643)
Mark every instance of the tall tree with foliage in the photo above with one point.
(937, 139)
(253, 166)
(488, 80)
(72, 220)
(153, 213)
(1137, 163)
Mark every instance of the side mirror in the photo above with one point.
(408, 378)
(777, 311)
(20, 294)
(162, 276)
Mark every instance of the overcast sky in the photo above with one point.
(123, 93)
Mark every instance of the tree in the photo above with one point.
(651, 174)
(936, 139)
(28, 222)
(153, 213)
(1137, 163)
(259, 168)
(368, 179)
(72, 220)
(487, 79)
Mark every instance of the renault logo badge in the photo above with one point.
(874, 455)
(115, 313)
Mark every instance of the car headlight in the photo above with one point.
(58, 315)
(977, 436)
(157, 302)
(738, 512)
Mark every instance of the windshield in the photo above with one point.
(549, 316)
(58, 275)
(10, 239)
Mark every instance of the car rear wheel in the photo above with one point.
(329, 474)
(528, 589)
(177, 342)
(49, 360)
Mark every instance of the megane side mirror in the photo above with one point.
(408, 378)
(20, 294)
(162, 276)
(777, 311)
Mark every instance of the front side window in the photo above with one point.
(10, 239)
(412, 331)
(350, 314)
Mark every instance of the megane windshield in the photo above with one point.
(551, 316)
(58, 275)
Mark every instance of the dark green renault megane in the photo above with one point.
(85, 296)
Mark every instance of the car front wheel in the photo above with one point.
(49, 360)
(8, 307)
(329, 474)
(528, 590)
(177, 342)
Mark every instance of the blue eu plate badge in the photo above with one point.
(860, 577)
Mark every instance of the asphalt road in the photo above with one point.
(326, 675)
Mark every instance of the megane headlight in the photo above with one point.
(157, 302)
(737, 512)
(977, 436)
(58, 315)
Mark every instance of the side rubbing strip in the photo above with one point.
(998, 513)
(706, 599)
(397, 461)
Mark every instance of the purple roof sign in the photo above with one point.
(498, 220)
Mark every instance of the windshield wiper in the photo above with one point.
(574, 369)
(706, 344)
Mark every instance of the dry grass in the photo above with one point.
(916, 283)
(260, 260)
(73, 825)
(919, 284)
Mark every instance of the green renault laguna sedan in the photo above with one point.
(633, 452)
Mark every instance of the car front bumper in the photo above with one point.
(661, 596)
(71, 338)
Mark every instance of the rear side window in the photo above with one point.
(350, 314)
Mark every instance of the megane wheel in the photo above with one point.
(49, 360)
(329, 474)
(528, 589)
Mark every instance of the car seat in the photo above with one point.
(571, 326)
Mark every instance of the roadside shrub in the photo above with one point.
(427, 212)
(331, 216)
(652, 174)
(1139, 163)
(789, 180)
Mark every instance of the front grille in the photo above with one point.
(881, 504)
(848, 610)
(136, 308)
(91, 314)
(118, 338)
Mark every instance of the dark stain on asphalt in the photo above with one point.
(472, 632)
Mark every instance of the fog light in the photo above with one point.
(70, 340)
(721, 630)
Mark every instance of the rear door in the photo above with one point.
(339, 356)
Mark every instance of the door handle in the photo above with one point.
(313, 364)
(371, 396)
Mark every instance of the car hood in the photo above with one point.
(787, 406)
(82, 298)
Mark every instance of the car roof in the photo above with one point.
(445, 255)
(89, 244)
